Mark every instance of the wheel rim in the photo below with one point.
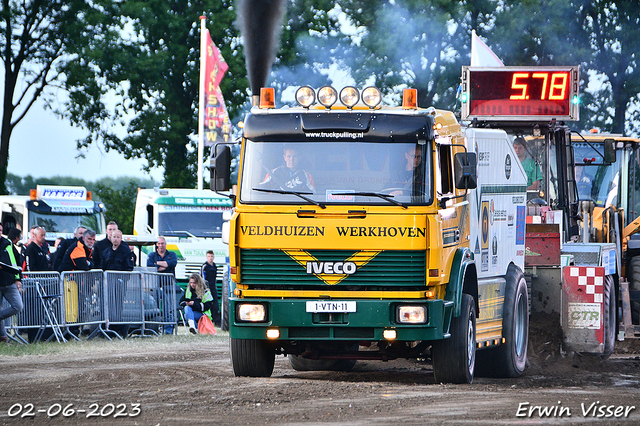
(471, 344)
(520, 325)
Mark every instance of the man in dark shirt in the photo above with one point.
(64, 246)
(10, 283)
(35, 259)
(103, 244)
(116, 257)
(210, 275)
(162, 259)
(165, 261)
(78, 256)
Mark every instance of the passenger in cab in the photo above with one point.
(410, 179)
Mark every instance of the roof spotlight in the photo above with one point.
(349, 96)
(327, 96)
(371, 97)
(305, 96)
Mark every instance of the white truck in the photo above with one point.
(59, 209)
(191, 222)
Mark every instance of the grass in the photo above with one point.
(127, 345)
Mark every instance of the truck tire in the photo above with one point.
(609, 316)
(634, 284)
(454, 358)
(511, 357)
(252, 358)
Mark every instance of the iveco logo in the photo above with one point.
(347, 268)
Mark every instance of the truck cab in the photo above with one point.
(60, 210)
(363, 231)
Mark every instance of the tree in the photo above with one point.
(120, 204)
(311, 42)
(614, 28)
(600, 36)
(153, 72)
(39, 41)
(413, 43)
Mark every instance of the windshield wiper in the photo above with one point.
(385, 197)
(178, 233)
(296, 193)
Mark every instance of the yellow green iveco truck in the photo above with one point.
(368, 232)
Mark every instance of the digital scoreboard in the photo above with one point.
(520, 93)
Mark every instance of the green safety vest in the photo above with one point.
(206, 298)
(13, 258)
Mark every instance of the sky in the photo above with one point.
(42, 145)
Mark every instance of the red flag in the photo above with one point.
(216, 120)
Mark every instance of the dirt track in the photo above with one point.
(181, 380)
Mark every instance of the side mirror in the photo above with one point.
(609, 151)
(465, 170)
(220, 166)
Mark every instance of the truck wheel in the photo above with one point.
(511, 357)
(253, 358)
(609, 316)
(634, 284)
(454, 358)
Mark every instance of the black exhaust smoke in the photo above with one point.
(260, 22)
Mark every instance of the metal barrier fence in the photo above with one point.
(159, 293)
(111, 304)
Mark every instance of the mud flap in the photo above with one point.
(583, 316)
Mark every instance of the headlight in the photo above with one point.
(327, 96)
(349, 96)
(305, 96)
(251, 312)
(371, 97)
(411, 314)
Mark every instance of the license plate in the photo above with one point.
(324, 306)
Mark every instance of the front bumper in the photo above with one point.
(367, 323)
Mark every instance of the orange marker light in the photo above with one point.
(410, 99)
(267, 97)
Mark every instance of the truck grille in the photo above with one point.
(287, 269)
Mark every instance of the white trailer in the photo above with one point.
(191, 222)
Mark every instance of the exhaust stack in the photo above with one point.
(260, 22)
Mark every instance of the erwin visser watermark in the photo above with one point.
(592, 409)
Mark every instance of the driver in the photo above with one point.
(411, 177)
(530, 168)
(290, 177)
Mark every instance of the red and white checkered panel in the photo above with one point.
(583, 294)
(590, 282)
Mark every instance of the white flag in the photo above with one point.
(481, 54)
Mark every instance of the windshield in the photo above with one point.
(596, 180)
(198, 222)
(66, 223)
(337, 173)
